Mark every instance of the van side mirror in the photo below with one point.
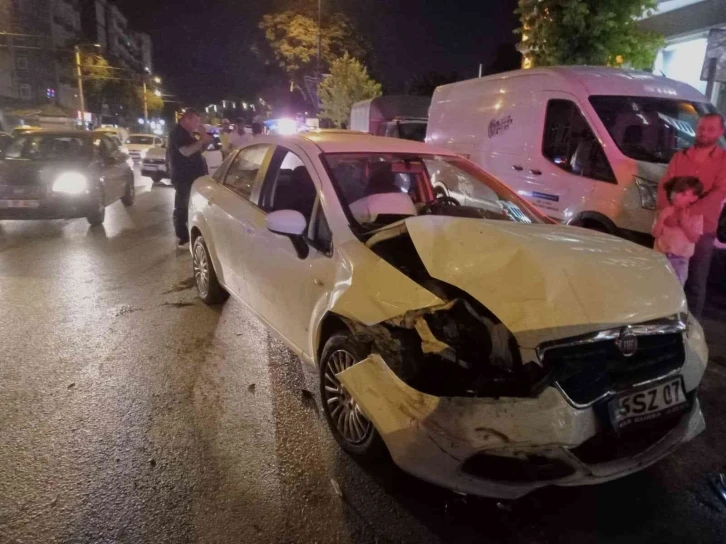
(290, 223)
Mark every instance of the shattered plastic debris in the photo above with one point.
(336, 488)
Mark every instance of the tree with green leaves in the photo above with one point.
(291, 39)
(594, 32)
(347, 84)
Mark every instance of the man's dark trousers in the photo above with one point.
(181, 210)
(698, 269)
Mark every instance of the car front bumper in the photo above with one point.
(148, 169)
(58, 206)
(474, 445)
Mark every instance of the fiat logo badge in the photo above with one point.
(627, 342)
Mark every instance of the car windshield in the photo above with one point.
(649, 128)
(49, 147)
(143, 140)
(378, 189)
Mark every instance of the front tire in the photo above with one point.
(98, 213)
(352, 430)
(205, 278)
(130, 194)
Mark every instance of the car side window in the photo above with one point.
(570, 143)
(242, 173)
(288, 185)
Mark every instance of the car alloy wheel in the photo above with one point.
(353, 426)
(201, 269)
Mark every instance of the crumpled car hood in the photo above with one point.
(546, 282)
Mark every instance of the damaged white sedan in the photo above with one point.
(490, 351)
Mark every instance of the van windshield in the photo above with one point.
(649, 128)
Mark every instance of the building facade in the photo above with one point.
(33, 36)
(105, 24)
(685, 25)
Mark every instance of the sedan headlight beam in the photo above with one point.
(72, 183)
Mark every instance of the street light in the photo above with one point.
(157, 80)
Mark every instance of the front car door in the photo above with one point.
(568, 162)
(285, 289)
(231, 215)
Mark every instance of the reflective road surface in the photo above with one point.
(131, 413)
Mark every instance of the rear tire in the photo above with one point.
(156, 178)
(352, 430)
(130, 194)
(205, 278)
(98, 215)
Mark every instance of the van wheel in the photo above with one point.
(596, 226)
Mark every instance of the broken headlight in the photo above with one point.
(462, 350)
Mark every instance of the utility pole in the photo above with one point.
(320, 35)
(79, 74)
(146, 109)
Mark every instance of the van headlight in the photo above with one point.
(648, 191)
(71, 183)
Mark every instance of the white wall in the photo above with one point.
(683, 61)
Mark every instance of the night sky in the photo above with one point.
(203, 49)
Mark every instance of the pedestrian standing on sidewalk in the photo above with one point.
(706, 160)
(187, 164)
(678, 242)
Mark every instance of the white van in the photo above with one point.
(587, 145)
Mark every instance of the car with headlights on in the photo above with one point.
(63, 174)
(490, 351)
(140, 144)
(155, 164)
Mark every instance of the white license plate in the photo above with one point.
(661, 400)
(19, 203)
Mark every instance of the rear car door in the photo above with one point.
(231, 214)
(284, 288)
(568, 161)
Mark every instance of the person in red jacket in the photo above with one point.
(706, 160)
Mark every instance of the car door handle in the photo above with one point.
(517, 167)
(210, 200)
(318, 282)
(536, 172)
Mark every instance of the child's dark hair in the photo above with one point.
(681, 184)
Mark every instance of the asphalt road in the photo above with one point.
(130, 412)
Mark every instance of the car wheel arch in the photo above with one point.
(594, 221)
(329, 325)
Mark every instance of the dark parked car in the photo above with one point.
(63, 174)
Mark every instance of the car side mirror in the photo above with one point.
(290, 223)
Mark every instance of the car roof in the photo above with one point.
(69, 132)
(348, 141)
